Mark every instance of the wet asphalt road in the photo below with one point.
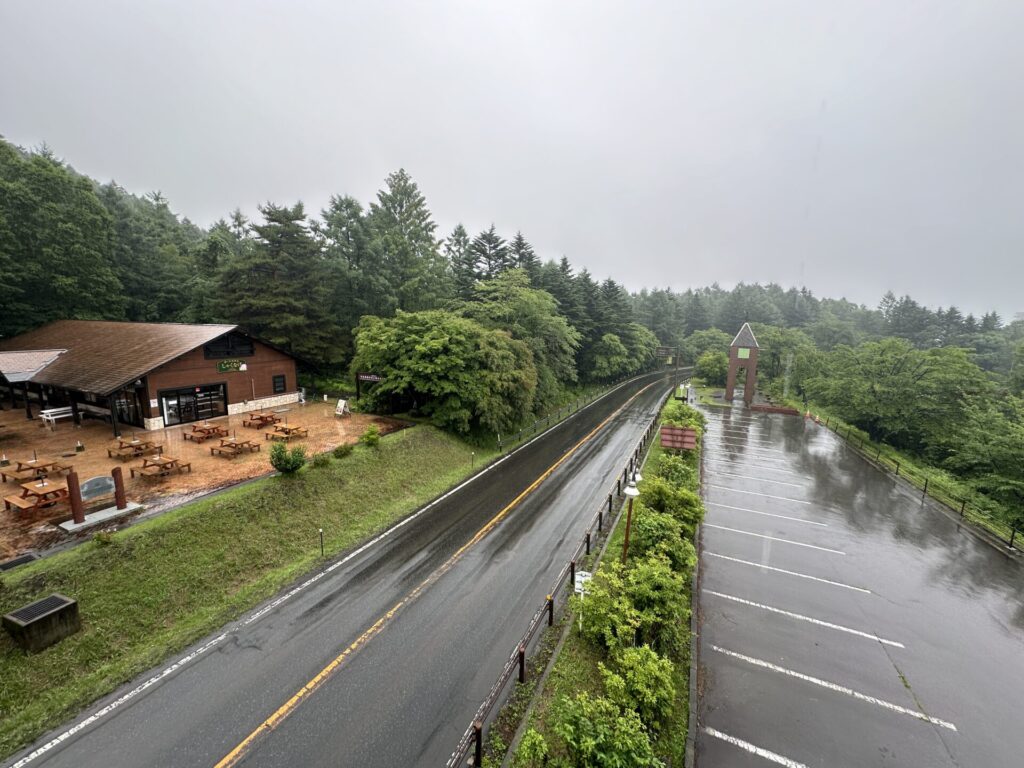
(404, 698)
(864, 631)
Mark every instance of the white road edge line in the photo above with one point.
(99, 714)
(754, 750)
(789, 573)
(835, 687)
(774, 538)
(801, 617)
(761, 479)
(116, 703)
(766, 514)
(755, 493)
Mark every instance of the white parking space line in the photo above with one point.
(743, 444)
(801, 617)
(759, 479)
(754, 750)
(740, 433)
(736, 453)
(755, 493)
(765, 514)
(774, 538)
(739, 465)
(835, 687)
(789, 573)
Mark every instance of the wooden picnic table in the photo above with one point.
(201, 432)
(260, 419)
(131, 449)
(38, 495)
(31, 469)
(160, 466)
(231, 447)
(284, 432)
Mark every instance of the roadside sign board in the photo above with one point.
(665, 352)
(369, 377)
(678, 438)
(582, 577)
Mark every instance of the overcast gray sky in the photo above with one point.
(852, 146)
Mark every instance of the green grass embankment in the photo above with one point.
(151, 590)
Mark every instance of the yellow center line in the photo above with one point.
(236, 754)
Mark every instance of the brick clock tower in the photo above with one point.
(743, 354)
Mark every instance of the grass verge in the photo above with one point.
(155, 588)
(576, 669)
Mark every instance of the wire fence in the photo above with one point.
(470, 746)
(931, 485)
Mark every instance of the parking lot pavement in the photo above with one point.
(844, 621)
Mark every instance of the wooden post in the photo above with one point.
(478, 747)
(75, 413)
(119, 498)
(28, 404)
(522, 663)
(75, 495)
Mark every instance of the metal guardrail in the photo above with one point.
(930, 486)
(472, 740)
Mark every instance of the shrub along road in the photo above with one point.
(398, 644)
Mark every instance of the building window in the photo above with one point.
(279, 384)
(229, 345)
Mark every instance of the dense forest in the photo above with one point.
(479, 332)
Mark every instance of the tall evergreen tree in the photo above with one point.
(458, 251)
(277, 289)
(525, 258)
(491, 253)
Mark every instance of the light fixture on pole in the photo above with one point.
(632, 493)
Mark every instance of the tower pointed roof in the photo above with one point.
(745, 338)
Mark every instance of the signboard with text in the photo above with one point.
(229, 366)
(665, 352)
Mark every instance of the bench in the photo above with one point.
(51, 415)
(225, 450)
(21, 502)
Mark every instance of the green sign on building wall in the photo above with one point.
(743, 353)
(229, 366)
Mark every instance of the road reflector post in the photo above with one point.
(522, 663)
(551, 611)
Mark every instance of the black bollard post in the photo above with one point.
(572, 574)
(522, 663)
(551, 611)
(478, 748)
(588, 542)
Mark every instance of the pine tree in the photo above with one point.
(525, 258)
(491, 254)
(463, 262)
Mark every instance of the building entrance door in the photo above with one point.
(180, 406)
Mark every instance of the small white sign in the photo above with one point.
(154, 403)
(582, 577)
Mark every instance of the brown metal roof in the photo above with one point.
(745, 338)
(21, 366)
(103, 356)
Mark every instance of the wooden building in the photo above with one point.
(148, 375)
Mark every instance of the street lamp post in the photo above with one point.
(632, 493)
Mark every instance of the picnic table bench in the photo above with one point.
(29, 470)
(231, 447)
(130, 449)
(202, 433)
(160, 467)
(286, 433)
(38, 495)
(260, 420)
(51, 415)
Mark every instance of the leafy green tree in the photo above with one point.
(711, 340)
(286, 461)
(611, 359)
(531, 316)
(713, 368)
(1017, 371)
(57, 245)
(459, 373)
(598, 734)
(640, 681)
